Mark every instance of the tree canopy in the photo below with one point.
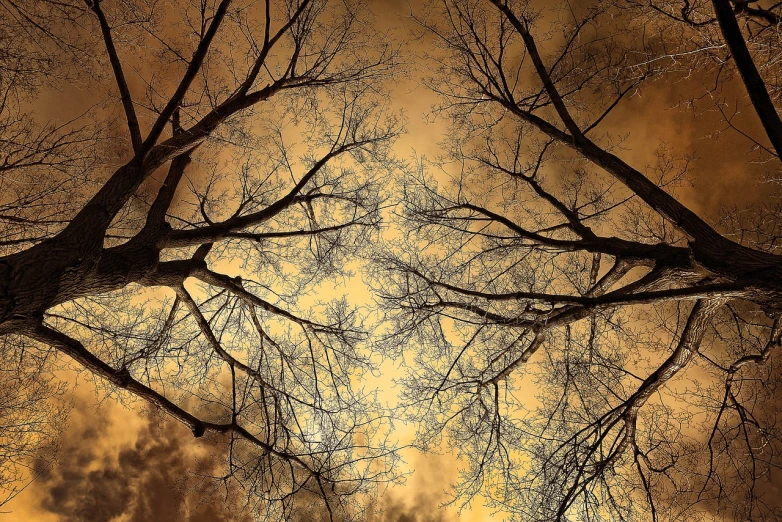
(165, 239)
(182, 183)
(590, 346)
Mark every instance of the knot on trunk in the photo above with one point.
(198, 430)
(123, 377)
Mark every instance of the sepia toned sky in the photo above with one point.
(123, 463)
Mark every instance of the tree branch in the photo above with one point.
(119, 75)
(756, 88)
(122, 379)
(190, 73)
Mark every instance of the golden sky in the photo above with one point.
(125, 464)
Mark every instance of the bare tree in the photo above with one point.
(591, 347)
(172, 238)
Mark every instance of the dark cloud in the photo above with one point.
(418, 507)
(157, 477)
(115, 465)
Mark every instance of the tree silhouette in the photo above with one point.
(591, 347)
(170, 238)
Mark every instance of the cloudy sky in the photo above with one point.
(125, 464)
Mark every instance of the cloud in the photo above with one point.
(98, 478)
(419, 507)
(421, 497)
(116, 465)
